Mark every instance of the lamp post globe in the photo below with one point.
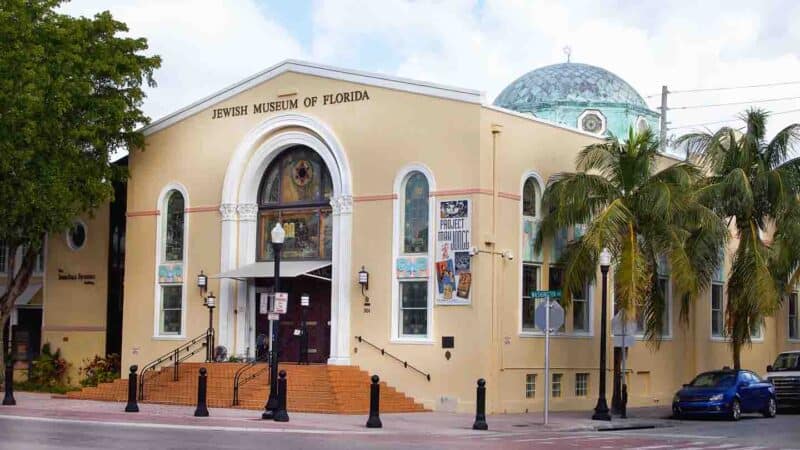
(210, 302)
(601, 408)
(277, 235)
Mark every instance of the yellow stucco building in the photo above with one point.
(430, 190)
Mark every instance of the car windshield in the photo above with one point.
(787, 361)
(714, 379)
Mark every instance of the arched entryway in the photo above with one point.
(295, 191)
(240, 209)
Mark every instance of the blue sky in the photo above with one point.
(479, 44)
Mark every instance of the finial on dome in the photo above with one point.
(568, 51)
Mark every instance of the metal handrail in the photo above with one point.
(238, 382)
(237, 378)
(174, 356)
(405, 364)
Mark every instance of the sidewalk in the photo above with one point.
(45, 407)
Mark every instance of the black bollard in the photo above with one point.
(202, 384)
(480, 409)
(8, 399)
(280, 414)
(132, 405)
(374, 420)
(624, 406)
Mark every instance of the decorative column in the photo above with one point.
(226, 287)
(342, 209)
(248, 230)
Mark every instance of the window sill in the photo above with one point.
(412, 341)
(169, 337)
(537, 334)
(793, 340)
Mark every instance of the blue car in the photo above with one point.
(726, 393)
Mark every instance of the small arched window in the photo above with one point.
(173, 227)
(530, 198)
(412, 313)
(171, 298)
(415, 214)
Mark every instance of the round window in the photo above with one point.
(76, 236)
(592, 123)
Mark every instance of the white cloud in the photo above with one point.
(205, 45)
(208, 44)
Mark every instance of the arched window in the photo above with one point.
(531, 259)
(415, 214)
(170, 270)
(412, 310)
(173, 227)
(296, 191)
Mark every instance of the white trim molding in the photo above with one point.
(160, 231)
(397, 237)
(239, 225)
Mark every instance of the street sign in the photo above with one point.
(263, 304)
(273, 316)
(281, 302)
(624, 333)
(556, 316)
(555, 293)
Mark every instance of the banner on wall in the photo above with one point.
(453, 261)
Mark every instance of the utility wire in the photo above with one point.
(729, 120)
(729, 88)
(766, 100)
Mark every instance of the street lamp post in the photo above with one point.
(278, 235)
(210, 304)
(601, 409)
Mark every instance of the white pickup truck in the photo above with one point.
(784, 374)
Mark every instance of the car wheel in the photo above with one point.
(736, 410)
(771, 409)
(677, 414)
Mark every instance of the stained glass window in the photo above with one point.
(296, 191)
(415, 209)
(296, 176)
(173, 239)
(530, 198)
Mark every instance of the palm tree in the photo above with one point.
(641, 215)
(754, 185)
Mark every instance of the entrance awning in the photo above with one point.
(26, 295)
(266, 269)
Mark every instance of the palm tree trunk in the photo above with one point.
(737, 354)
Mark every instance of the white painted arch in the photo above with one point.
(239, 225)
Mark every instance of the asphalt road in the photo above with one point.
(36, 433)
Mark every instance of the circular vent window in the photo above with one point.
(592, 123)
(76, 236)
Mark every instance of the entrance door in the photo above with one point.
(317, 318)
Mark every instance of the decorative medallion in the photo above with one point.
(302, 173)
(592, 123)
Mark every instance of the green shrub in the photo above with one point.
(100, 370)
(49, 369)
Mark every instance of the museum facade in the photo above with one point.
(428, 193)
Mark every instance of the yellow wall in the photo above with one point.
(74, 315)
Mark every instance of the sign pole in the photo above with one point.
(547, 360)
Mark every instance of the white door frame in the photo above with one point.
(239, 211)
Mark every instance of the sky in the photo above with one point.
(484, 45)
